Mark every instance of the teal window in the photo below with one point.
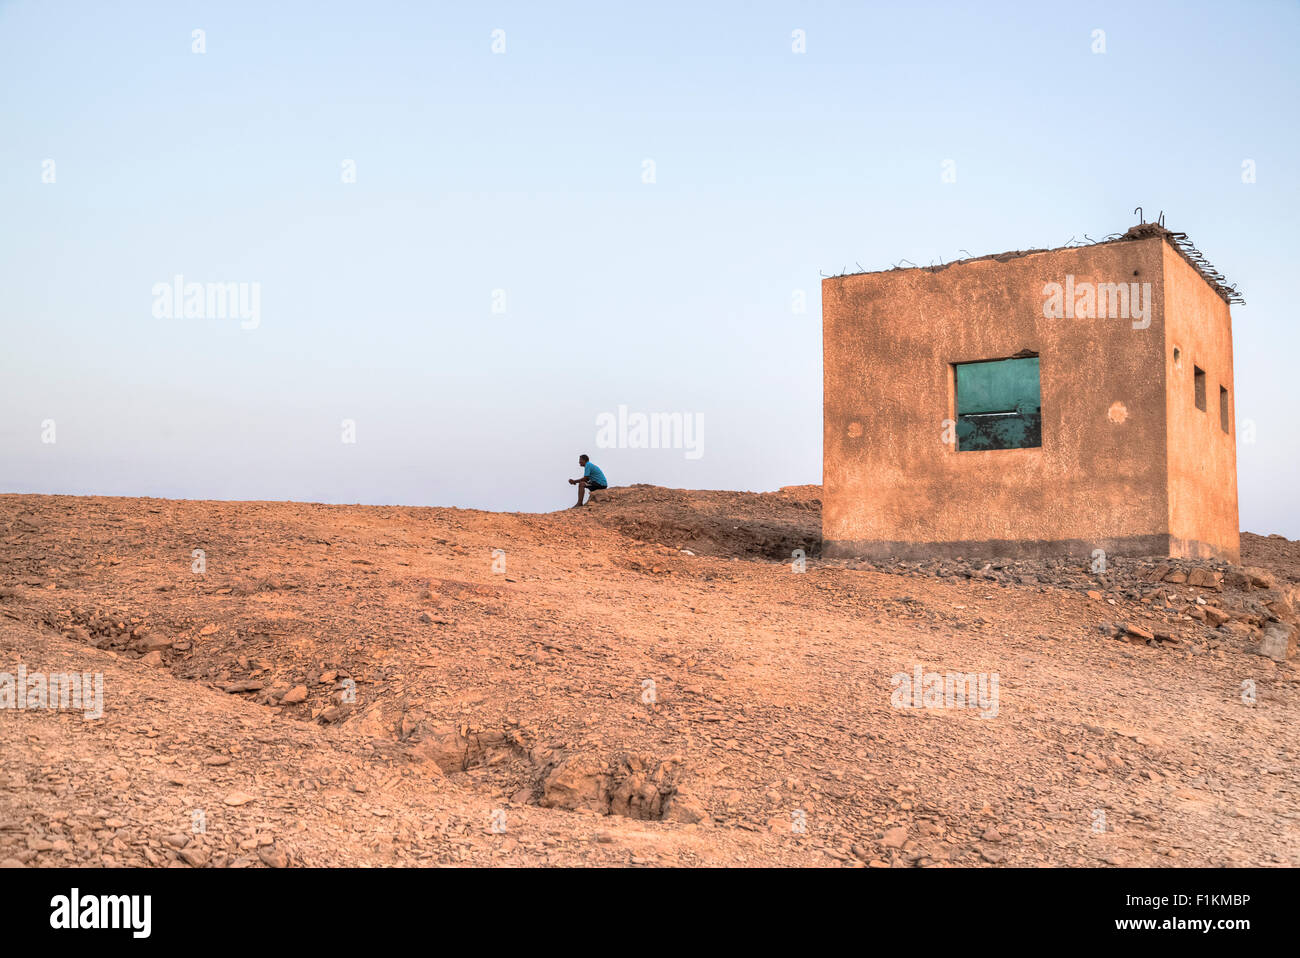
(999, 404)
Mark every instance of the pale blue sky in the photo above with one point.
(522, 172)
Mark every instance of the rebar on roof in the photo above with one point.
(1180, 241)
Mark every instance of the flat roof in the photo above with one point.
(1179, 241)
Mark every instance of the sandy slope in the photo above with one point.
(443, 698)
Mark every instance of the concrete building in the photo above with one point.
(1040, 403)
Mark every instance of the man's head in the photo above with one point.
(583, 459)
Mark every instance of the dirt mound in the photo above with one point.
(766, 525)
(1278, 554)
(646, 681)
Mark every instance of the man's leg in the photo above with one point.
(582, 484)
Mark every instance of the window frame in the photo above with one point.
(956, 416)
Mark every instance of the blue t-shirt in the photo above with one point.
(593, 472)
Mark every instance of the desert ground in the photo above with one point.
(666, 677)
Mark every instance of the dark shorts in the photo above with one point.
(593, 485)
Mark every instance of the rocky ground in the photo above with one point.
(666, 677)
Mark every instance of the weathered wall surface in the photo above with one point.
(1202, 457)
(892, 486)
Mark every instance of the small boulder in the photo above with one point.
(894, 837)
(1215, 616)
(154, 640)
(579, 781)
(1278, 641)
(683, 808)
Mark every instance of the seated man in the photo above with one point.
(592, 478)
